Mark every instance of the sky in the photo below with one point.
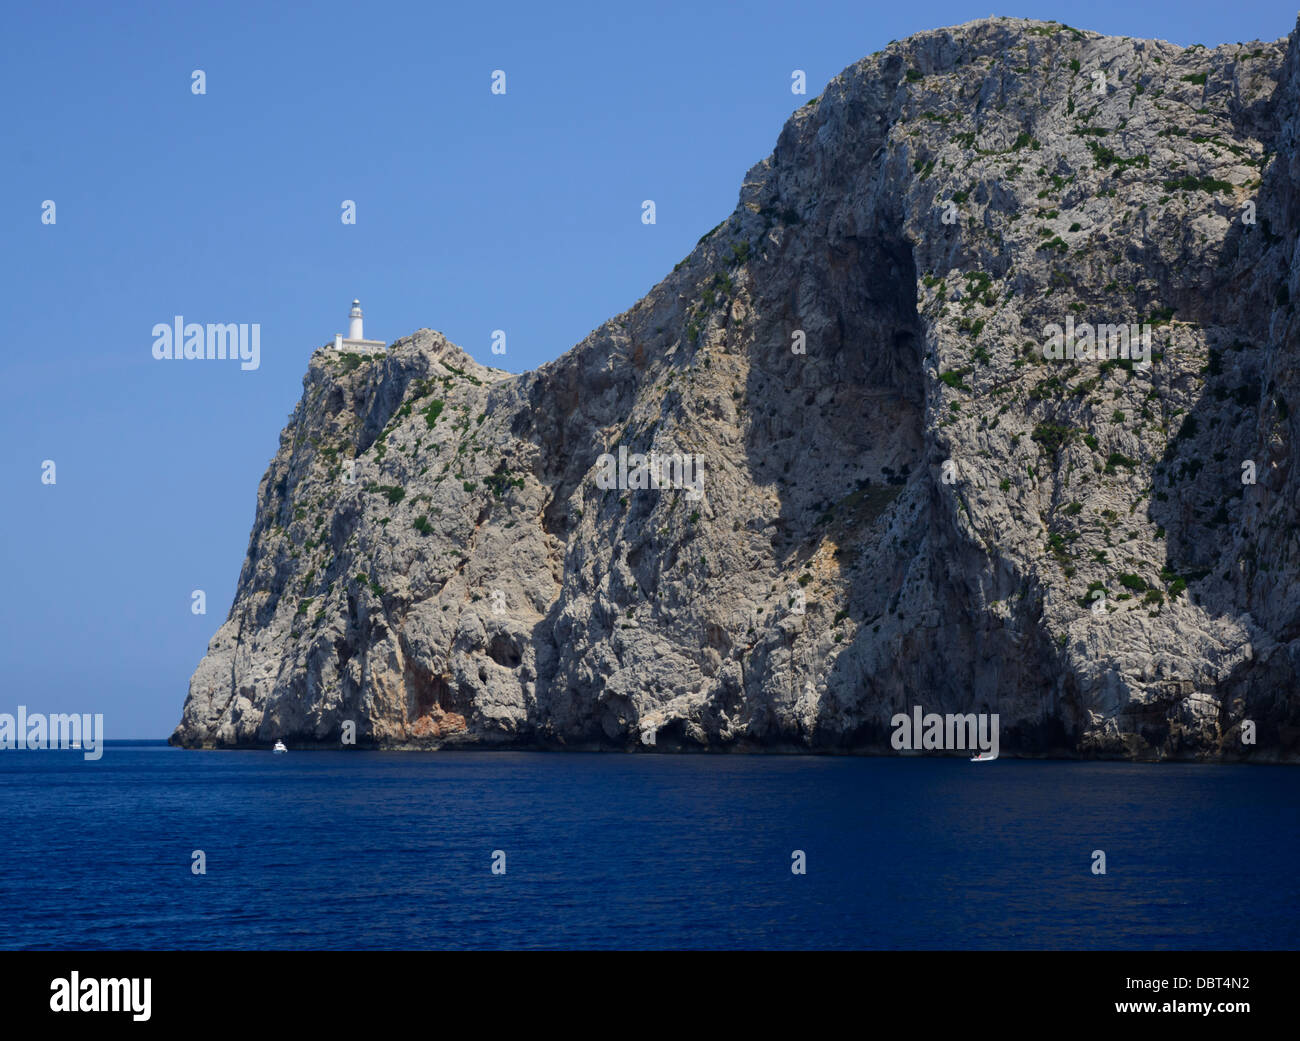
(475, 212)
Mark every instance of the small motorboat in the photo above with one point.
(279, 747)
(983, 757)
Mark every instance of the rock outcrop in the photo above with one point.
(887, 494)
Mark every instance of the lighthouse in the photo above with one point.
(355, 341)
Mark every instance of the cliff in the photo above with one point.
(903, 498)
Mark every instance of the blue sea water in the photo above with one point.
(391, 850)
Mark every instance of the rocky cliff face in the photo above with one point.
(892, 496)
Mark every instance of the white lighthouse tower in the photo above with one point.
(356, 341)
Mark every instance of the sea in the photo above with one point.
(367, 850)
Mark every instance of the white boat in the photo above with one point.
(983, 757)
(279, 747)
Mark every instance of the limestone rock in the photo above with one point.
(903, 501)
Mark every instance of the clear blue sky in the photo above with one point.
(475, 212)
